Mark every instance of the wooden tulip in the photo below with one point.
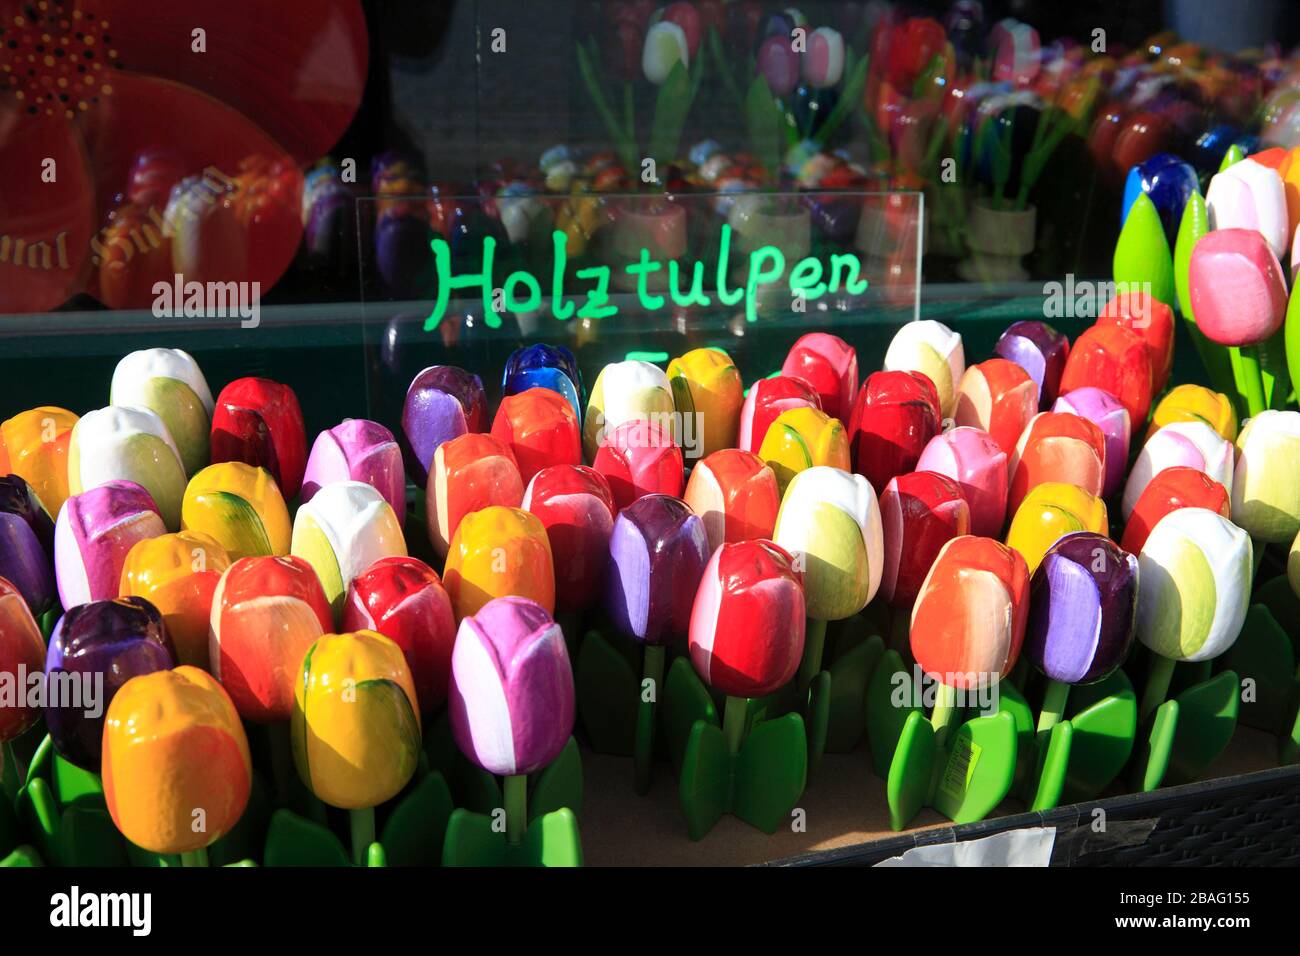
(240, 507)
(1116, 360)
(895, 416)
(736, 496)
(34, 444)
(706, 384)
(169, 383)
(970, 457)
(259, 422)
(128, 444)
(93, 535)
(767, 399)
(1050, 510)
(467, 474)
(540, 428)
(495, 552)
(829, 365)
(178, 574)
(639, 458)
(1057, 447)
(999, 397)
(1173, 488)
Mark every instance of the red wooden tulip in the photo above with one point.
(403, 599)
(830, 366)
(895, 416)
(1057, 446)
(468, 473)
(969, 620)
(767, 399)
(999, 397)
(1116, 360)
(1169, 490)
(640, 458)
(258, 421)
(575, 505)
(1151, 319)
(920, 512)
(541, 428)
(747, 623)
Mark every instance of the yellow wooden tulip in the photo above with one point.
(1049, 511)
(178, 574)
(706, 384)
(497, 552)
(1196, 403)
(241, 507)
(801, 438)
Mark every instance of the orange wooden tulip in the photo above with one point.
(496, 552)
(176, 766)
(178, 574)
(540, 428)
(468, 473)
(1057, 446)
(1153, 321)
(34, 446)
(735, 495)
(1115, 359)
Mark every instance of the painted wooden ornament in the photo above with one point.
(706, 384)
(1106, 412)
(240, 507)
(1041, 351)
(403, 599)
(1237, 287)
(638, 458)
(266, 612)
(128, 444)
(1265, 492)
(1153, 320)
(259, 422)
(170, 384)
(26, 544)
(970, 457)
(467, 474)
(999, 397)
(1050, 510)
(178, 574)
(936, 351)
(102, 645)
(747, 620)
(174, 748)
(1249, 196)
(358, 450)
(540, 428)
(803, 438)
(766, 400)
(895, 416)
(1195, 403)
(495, 552)
(1172, 488)
(735, 494)
(346, 527)
(93, 535)
(1057, 447)
(625, 391)
(442, 402)
(1116, 360)
(1192, 444)
(544, 366)
(34, 446)
(828, 365)
(22, 654)
(575, 505)
(920, 512)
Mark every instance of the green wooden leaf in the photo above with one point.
(819, 715)
(413, 833)
(147, 859)
(1291, 336)
(704, 784)
(559, 785)
(88, 837)
(1274, 370)
(608, 695)
(551, 840)
(472, 841)
(1235, 154)
(39, 815)
(1052, 766)
(1142, 252)
(888, 710)
(850, 672)
(293, 841)
(73, 786)
(671, 106)
(1206, 721)
(22, 856)
(1195, 222)
(911, 769)
(685, 701)
(1105, 724)
(771, 771)
(978, 768)
(1012, 701)
(376, 855)
(764, 119)
(1289, 745)
(1263, 653)
(1282, 603)
(1155, 748)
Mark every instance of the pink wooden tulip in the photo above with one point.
(94, 532)
(1237, 287)
(358, 450)
(1249, 196)
(970, 457)
(639, 458)
(1110, 416)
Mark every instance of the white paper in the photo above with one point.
(1028, 847)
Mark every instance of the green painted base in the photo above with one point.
(608, 688)
(1187, 734)
(854, 660)
(475, 839)
(761, 783)
(414, 831)
(685, 702)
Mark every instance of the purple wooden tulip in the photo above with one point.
(1082, 609)
(357, 450)
(1106, 412)
(1041, 351)
(93, 534)
(657, 555)
(442, 403)
(26, 544)
(94, 650)
(511, 696)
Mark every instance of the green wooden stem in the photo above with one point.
(1162, 671)
(197, 857)
(363, 833)
(643, 754)
(814, 644)
(1058, 692)
(281, 760)
(944, 714)
(1252, 381)
(516, 794)
(733, 722)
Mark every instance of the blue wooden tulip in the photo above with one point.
(544, 366)
(1168, 182)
